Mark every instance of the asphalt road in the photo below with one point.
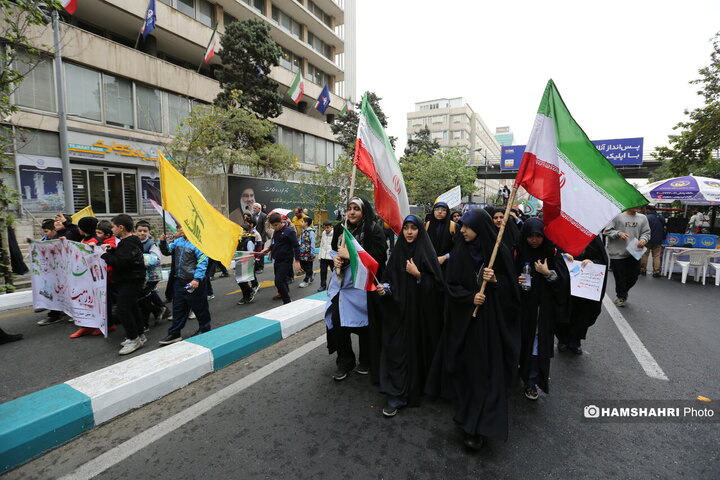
(298, 423)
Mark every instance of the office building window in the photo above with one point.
(319, 46)
(290, 61)
(286, 22)
(37, 89)
(149, 108)
(178, 109)
(118, 101)
(317, 76)
(37, 142)
(107, 191)
(205, 13)
(83, 92)
(228, 19)
(258, 5)
(186, 6)
(319, 13)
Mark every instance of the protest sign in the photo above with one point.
(586, 282)
(70, 277)
(244, 267)
(452, 197)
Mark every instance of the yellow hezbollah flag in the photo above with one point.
(205, 227)
(85, 212)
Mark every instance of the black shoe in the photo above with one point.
(7, 338)
(224, 275)
(576, 351)
(562, 347)
(322, 288)
(171, 338)
(340, 375)
(656, 275)
(473, 442)
(389, 411)
(361, 369)
(243, 301)
(531, 393)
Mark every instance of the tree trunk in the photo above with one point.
(5, 265)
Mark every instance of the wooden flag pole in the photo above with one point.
(498, 241)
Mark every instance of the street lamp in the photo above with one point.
(484, 152)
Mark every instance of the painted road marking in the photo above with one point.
(15, 314)
(267, 283)
(647, 362)
(116, 455)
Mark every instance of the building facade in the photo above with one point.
(125, 98)
(504, 136)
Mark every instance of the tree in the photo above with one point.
(19, 53)
(695, 148)
(421, 141)
(220, 139)
(346, 126)
(427, 176)
(248, 54)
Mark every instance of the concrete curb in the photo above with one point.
(35, 423)
(13, 300)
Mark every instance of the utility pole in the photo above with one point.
(62, 117)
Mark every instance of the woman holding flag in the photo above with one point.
(362, 249)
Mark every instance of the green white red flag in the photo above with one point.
(363, 267)
(581, 190)
(375, 157)
(297, 88)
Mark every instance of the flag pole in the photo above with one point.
(498, 241)
(341, 240)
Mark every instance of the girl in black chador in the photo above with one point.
(543, 304)
(475, 365)
(412, 316)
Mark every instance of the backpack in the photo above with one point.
(453, 226)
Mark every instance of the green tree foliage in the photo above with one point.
(694, 149)
(427, 176)
(421, 141)
(248, 54)
(222, 139)
(331, 185)
(345, 126)
(19, 18)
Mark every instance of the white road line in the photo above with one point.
(647, 362)
(124, 450)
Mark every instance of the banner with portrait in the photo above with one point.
(70, 277)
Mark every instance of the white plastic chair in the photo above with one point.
(698, 260)
(716, 266)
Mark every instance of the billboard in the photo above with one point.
(621, 152)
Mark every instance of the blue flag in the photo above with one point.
(150, 19)
(323, 101)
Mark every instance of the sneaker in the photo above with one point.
(531, 393)
(339, 375)
(389, 411)
(312, 279)
(50, 321)
(162, 314)
(303, 284)
(620, 302)
(210, 297)
(224, 275)
(251, 297)
(243, 301)
(256, 289)
(657, 275)
(361, 369)
(322, 288)
(143, 339)
(576, 350)
(277, 297)
(131, 346)
(81, 332)
(562, 347)
(171, 338)
(146, 329)
(192, 315)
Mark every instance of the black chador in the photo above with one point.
(475, 365)
(412, 317)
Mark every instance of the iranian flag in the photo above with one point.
(363, 267)
(581, 190)
(375, 157)
(297, 88)
(69, 5)
(212, 47)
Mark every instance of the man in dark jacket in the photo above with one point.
(128, 276)
(285, 248)
(654, 245)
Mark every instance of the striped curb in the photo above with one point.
(13, 300)
(36, 423)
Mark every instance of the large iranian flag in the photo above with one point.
(581, 190)
(363, 267)
(297, 88)
(375, 157)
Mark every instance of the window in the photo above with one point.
(83, 92)
(178, 109)
(80, 189)
(108, 191)
(286, 22)
(118, 101)
(309, 149)
(149, 108)
(205, 13)
(37, 89)
(317, 76)
(456, 134)
(258, 5)
(319, 13)
(186, 6)
(299, 145)
(319, 46)
(290, 61)
(37, 142)
(130, 192)
(228, 19)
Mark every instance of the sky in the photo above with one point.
(622, 67)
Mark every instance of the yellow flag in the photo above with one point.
(85, 212)
(207, 229)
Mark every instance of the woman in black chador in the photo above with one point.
(582, 312)
(476, 361)
(543, 304)
(441, 230)
(412, 316)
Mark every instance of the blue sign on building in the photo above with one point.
(621, 152)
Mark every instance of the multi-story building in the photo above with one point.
(124, 99)
(504, 136)
(453, 123)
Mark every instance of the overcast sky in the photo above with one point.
(622, 67)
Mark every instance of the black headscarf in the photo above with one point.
(512, 232)
(439, 231)
(546, 250)
(363, 229)
(474, 220)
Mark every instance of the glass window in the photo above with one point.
(205, 14)
(317, 76)
(320, 149)
(309, 149)
(118, 101)
(258, 5)
(115, 192)
(328, 153)
(186, 6)
(97, 192)
(290, 61)
(167, 2)
(298, 147)
(130, 193)
(80, 189)
(37, 142)
(149, 111)
(37, 89)
(83, 92)
(228, 19)
(319, 46)
(286, 139)
(178, 109)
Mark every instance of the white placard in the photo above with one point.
(634, 250)
(452, 197)
(586, 282)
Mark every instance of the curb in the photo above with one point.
(16, 300)
(36, 423)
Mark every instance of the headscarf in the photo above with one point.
(526, 253)
(512, 232)
(475, 220)
(364, 228)
(439, 230)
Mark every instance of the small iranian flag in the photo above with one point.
(69, 5)
(581, 190)
(375, 157)
(212, 47)
(363, 266)
(297, 88)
